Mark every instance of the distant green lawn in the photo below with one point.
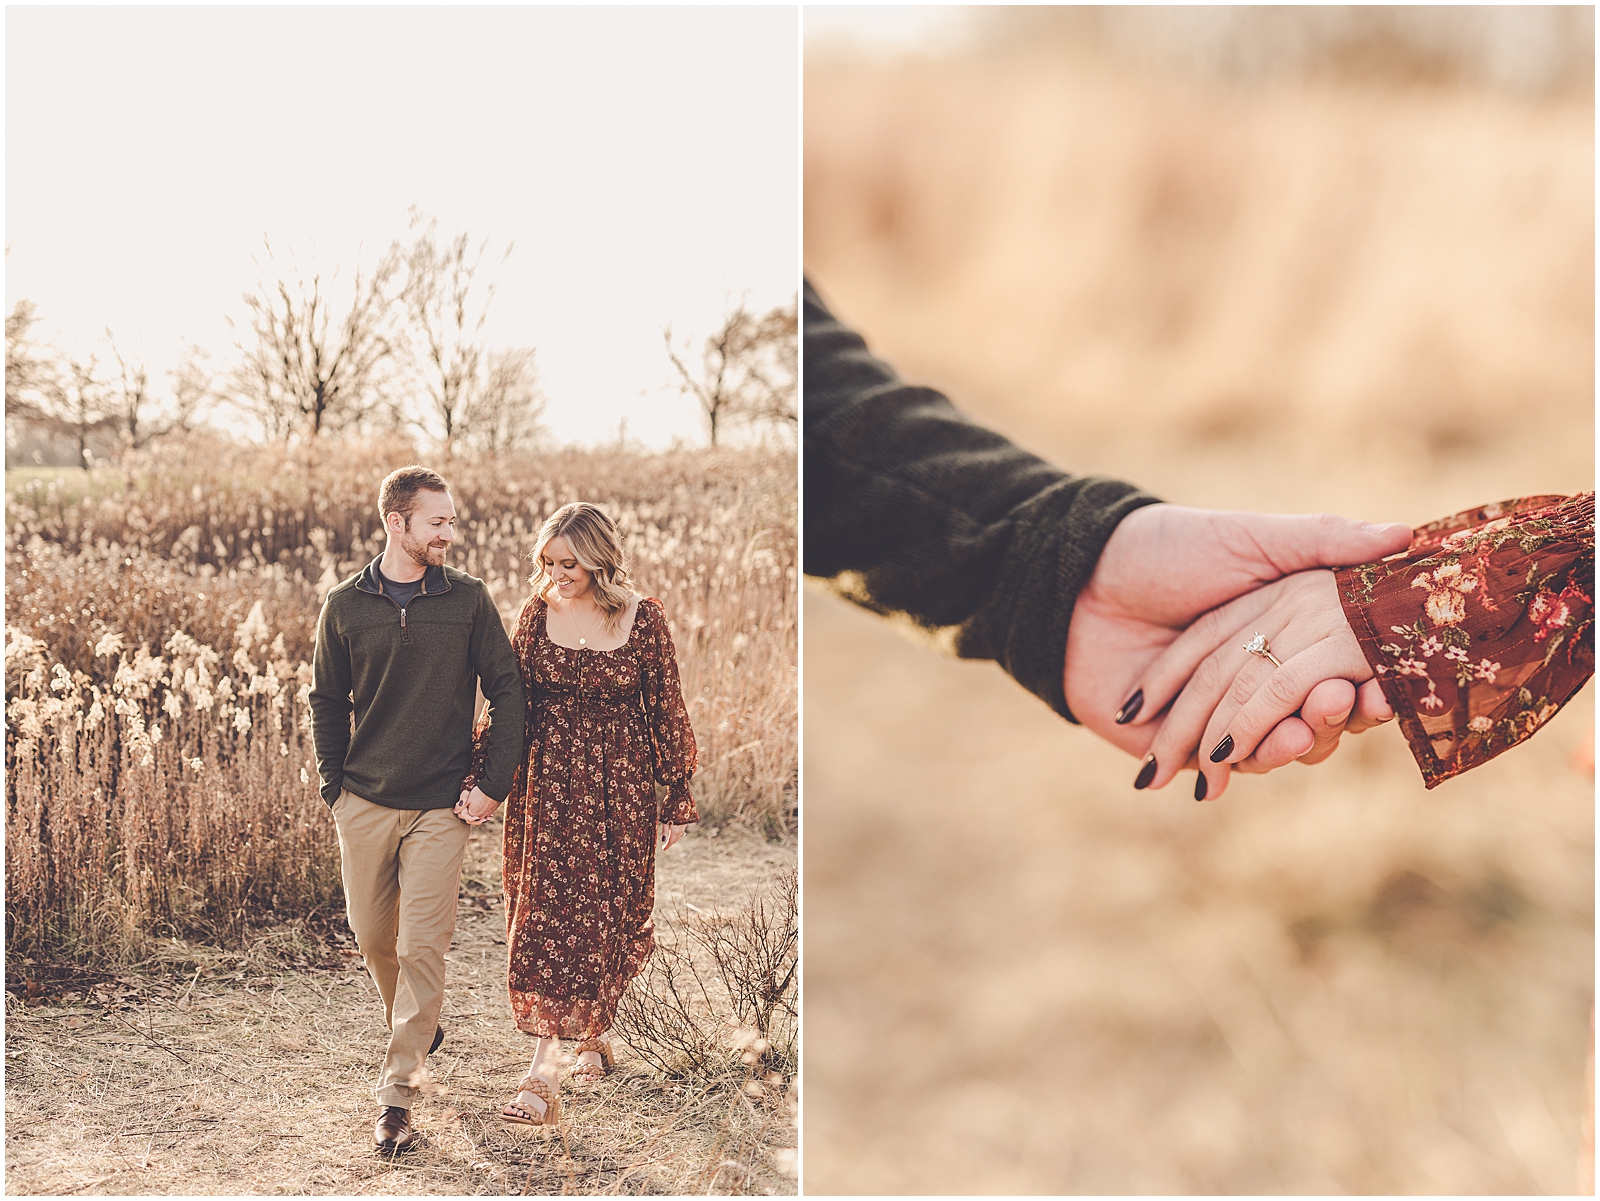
(61, 485)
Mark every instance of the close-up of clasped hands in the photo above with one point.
(1196, 639)
(1183, 364)
(781, 599)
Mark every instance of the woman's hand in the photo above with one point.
(670, 834)
(475, 807)
(1230, 699)
(1163, 568)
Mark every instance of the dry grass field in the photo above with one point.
(1344, 296)
(172, 873)
(159, 630)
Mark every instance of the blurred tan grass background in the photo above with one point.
(1292, 260)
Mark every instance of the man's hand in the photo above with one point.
(475, 807)
(1162, 568)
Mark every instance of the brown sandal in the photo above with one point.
(517, 1114)
(588, 1073)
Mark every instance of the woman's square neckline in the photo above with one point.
(623, 645)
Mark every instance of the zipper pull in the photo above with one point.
(402, 619)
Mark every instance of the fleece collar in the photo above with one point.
(434, 580)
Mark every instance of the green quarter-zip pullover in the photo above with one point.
(409, 676)
(913, 509)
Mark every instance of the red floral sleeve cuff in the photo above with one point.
(480, 759)
(677, 807)
(1482, 629)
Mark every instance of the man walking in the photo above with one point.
(401, 646)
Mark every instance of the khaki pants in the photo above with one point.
(402, 873)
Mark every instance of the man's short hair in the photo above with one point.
(398, 492)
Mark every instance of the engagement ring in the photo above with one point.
(1258, 646)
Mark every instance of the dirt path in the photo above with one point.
(210, 1073)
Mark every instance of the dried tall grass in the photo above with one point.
(160, 774)
(1285, 269)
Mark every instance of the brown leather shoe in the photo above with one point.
(393, 1132)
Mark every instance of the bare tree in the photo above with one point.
(448, 307)
(749, 371)
(507, 410)
(32, 385)
(193, 386)
(777, 351)
(82, 406)
(127, 406)
(64, 401)
(32, 376)
(305, 369)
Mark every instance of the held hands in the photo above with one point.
(1231, 699)
(475, 807)
(1164, 567)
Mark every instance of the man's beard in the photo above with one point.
(421, 552)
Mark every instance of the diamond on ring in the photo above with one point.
(1258, 646)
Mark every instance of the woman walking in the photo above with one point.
(605, 722)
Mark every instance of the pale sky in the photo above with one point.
(644, 160)
(887, 30)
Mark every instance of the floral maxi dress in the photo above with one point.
(602, 728)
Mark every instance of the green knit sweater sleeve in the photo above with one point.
(501, 681)
(330, 702)
(911, 509)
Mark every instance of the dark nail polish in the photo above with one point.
(1223, 749)
(1146, 773)
(1200, 787)
(1130, 708)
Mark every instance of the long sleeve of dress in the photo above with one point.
(1482, 629)
(671, 737)
(912, 509)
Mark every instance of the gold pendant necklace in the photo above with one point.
(583, 639)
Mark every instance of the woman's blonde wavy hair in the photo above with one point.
(595, 543)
